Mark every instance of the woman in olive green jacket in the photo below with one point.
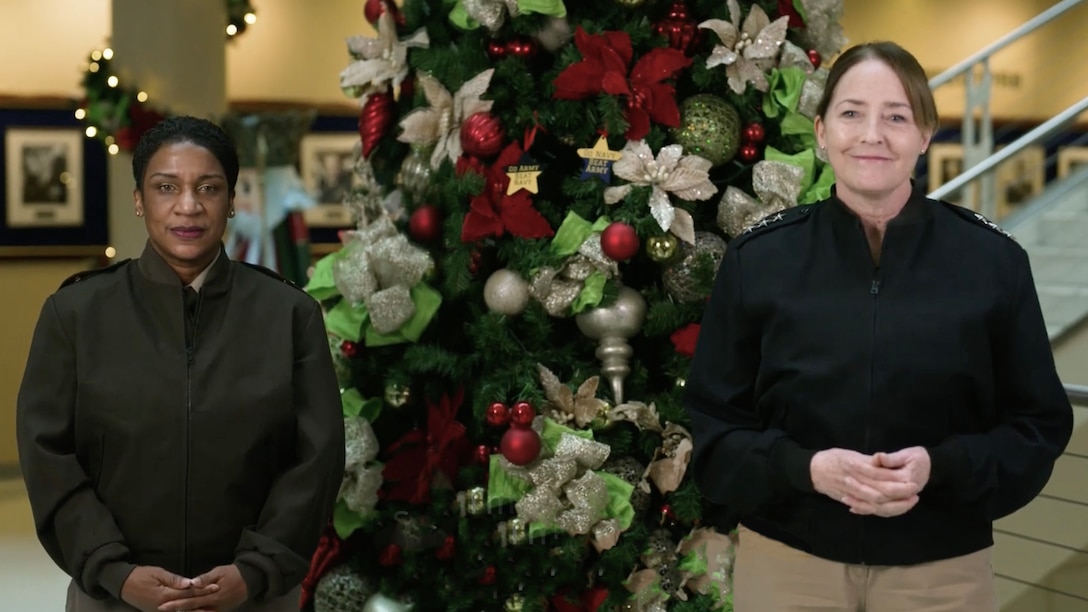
(179, 422)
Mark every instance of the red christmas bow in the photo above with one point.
(417, 455)
(685, 338)
(603, 69)
(589, 601)
(325, 557)
(493, 213)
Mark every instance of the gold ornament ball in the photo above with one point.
(476, 501)
(709, 128)
(661, 248)
(415, 172)
(514, 604)
(397, 395)
(517, 531)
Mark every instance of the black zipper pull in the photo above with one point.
(875, 289)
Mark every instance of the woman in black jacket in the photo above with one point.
(873, 383)
(179, 422)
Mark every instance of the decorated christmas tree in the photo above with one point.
(545, 190)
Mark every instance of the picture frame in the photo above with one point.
(54, 199)
(44, 170)
(945, 162)
(326, 163)
(1071, 159)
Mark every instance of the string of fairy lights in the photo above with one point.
(117, 113)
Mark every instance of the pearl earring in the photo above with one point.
(139, 213)
(231, 213)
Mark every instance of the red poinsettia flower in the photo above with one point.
(416, 457)
(685, 338)
(604, 69)
(786, 8)
(493, 213)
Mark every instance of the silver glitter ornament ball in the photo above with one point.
(506, 292)
(630, 471)
(341, 589)
(681, 278)
(709, 127)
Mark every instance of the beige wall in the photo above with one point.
(1035, 77)
(45, 44)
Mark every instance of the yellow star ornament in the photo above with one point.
(523, 175)
(599, 160)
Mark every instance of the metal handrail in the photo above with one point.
(1078, 394)
(1026, 28)
(1042, 131)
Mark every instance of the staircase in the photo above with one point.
(1040, 552)
(1054, 231)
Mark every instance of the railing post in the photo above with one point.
(978, 136)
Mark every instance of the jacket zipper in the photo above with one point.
(190, 350)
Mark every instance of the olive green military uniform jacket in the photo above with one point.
(142, 447)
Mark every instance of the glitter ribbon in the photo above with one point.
(378, 267)
(562, 498)
(777, 185)
(359, 488)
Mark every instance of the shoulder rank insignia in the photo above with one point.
(85, 274)
(272, 273)
(990, 224)
(777, 218)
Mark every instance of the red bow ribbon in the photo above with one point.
(327, 555)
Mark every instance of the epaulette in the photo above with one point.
(781, 218)
(978, 219)
(78, 276)
(272, 273)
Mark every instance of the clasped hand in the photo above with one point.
(153, 589)
(884, 484)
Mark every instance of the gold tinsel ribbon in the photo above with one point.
(777, 186)
(379, 267)
(560, 496)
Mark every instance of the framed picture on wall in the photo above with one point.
(53, 202)
(327, 165)
(1071, 159)
(1019, 179)
(945, 162)
(44, 170)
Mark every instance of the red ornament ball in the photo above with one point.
(814, 57)
(349, 349)
(376, 8)
(522, 48)
(522, 415)
(748, 153)
(489, 577)
(754, 133)
(448, 549)
(474, 262)
(390, 556)
(619, 241)
(498, 415)
(482, 454)
(482, 135)
(425, 224)
(520, 446)
(496, 50)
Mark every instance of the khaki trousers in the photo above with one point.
(78, 601)
(769, 576)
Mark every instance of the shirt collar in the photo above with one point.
(198, 282)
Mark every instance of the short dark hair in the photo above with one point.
(906, 67)
(200, 132)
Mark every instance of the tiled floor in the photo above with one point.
(29, 581)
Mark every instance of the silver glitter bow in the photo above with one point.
(362, 479)
(491, 13)
(777, 185)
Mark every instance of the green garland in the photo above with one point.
(117, 113)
